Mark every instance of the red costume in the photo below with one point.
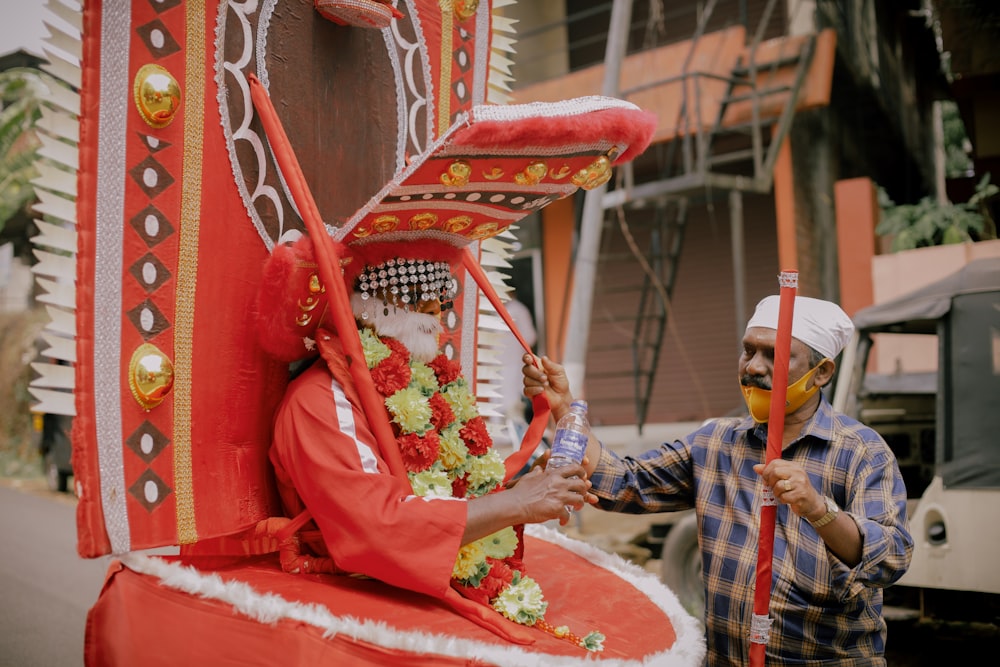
(325, 458)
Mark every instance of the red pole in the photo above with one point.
(328, 256)
(760, 626)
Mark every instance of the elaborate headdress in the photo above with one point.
(496, 165)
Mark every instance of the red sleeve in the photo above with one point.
(325, 459)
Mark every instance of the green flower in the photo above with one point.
(431, 483)
(461, 400)
(422, 377)
(374, 349)
(500, 544)
(485, 472)
(522, 601)
(410, 409)
(594, 641)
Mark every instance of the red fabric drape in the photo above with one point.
(540, 404)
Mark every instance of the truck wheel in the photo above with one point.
(55, 479)
(682, 566)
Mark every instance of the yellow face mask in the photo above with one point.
(759, 400)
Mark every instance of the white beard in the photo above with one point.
(418, 332)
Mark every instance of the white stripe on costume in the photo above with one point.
(345, 421)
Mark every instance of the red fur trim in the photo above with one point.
(285, 283)
(632, 129)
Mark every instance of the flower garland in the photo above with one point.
(448, 453)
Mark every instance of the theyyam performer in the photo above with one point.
(282, 213)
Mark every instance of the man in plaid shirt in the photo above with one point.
(841, 534)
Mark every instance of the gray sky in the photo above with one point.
(21, 24)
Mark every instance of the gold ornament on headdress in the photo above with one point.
(385, 223)
(485, 231)
(561, 174)
(532, 174)
(457, 174)
(457, 224)
(315, 288)
(422, 221)
(595, 175)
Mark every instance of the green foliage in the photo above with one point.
(21, 89)
(931, 223)
(956, 142)
(18, 333)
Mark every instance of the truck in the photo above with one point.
(939, 412)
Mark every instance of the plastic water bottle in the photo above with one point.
(572, 434)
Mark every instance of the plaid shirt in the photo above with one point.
(825, 613)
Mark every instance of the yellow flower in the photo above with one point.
(454, 451)
(469, 564)
(485, 472)
(374, 349)
(422, 377)
(431, 483)
(462, 402)
(522, 602)
(500, 544)
(410, 409)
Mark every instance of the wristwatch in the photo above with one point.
(831, 513)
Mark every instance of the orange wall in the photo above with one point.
(856, 201)
(558, 222)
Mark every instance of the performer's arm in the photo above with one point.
(325, 460)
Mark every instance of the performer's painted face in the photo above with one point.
(418, 326)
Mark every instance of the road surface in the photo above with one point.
(45, 588)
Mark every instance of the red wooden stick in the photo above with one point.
(328, 256)
(760, 626)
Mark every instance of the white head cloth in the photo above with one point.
(821, 325)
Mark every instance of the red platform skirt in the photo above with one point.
(156, 610)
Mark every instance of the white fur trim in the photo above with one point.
(268, 608)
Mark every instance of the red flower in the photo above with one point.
(514, 562)
(419, 453)
(460, 486)
(476, 437)
(391, 375)
(397, 348)
(501, 570)
(441, 413)
(499, 578)
(445, 369)
(492, 586)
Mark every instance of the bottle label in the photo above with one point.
(569, 444)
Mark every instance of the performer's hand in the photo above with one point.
(542, 375)
(549, 493)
